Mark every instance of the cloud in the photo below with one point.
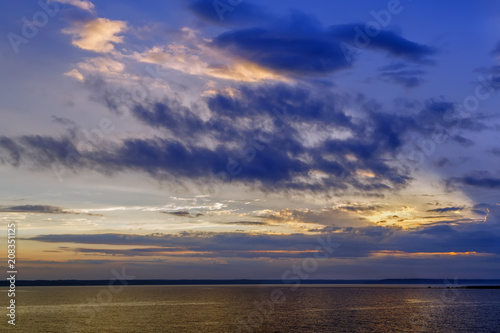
(360, 208)
(273, 136)
(299, 45)
(82, 4)
(242, 13)
(496, 50)
(472, 238)
(40, 209)
(464, 142)
(63, 121)
(492, 81)
(495, 151)
(478, 181)
(401, 75)
(212, 64)
(443, 162)
(33, 209)
(149, 252)
(446, 209)
(97, 35)
(102, 65)
(75, 73)
(385, 40)
(247, 223)
(307, 219)
(13, 149)
(183, 213)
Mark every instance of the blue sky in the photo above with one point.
(184, 139)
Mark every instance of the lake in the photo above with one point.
(256, 309)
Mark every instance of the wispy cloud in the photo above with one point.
(33, 209)
(82, 4)
(42, 209)
(183, 213)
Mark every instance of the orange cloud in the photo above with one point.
(97, 35)
(425, 254)
(188, 60)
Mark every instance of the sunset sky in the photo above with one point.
(221, 139)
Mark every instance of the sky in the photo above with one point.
(228, 139)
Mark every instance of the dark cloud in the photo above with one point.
(257, 138)
(259, 135)
(491, 82)
(44, 209)
(444, 237)
(404, 78)
(300, 48)
(389, 41)
(464, 142)
(476, 180)
(446, 209)
(361, 208)
(63, 121)
(395, 66)
(495, 151)
(183, 213)
(265, 124)
(34, 209)
(248, 223)
(491, 212)
(13, 149)
(444, 119)
(491, 183)
(195, 241)
(496, 50)
(299, 45)
(223, 13)
(442, 162)
(149, 252)
(260, 141)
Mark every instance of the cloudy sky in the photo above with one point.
(227, 139)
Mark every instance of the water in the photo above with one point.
(236, 309)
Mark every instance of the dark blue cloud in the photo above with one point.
(496, 50)
(486, 182)
(271, 157)
(258, 137)
(443, 162)
(495, 151)
(33, 209)
(446, 209)
(355, 34)
(289, 52)
(464, 142)
(229, 13)
(183, 213)
(492, 79)
(300, 45)
(43, 209)
(404, 78)
(481, 179)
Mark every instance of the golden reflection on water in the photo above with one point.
(248, 309)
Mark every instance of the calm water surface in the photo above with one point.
(250, 309)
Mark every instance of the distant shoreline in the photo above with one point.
(430, 283)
